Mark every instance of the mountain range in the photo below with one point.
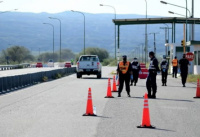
(27, 29)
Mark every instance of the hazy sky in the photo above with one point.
(154, 7)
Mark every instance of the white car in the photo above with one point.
(50, 63)
(88, 65)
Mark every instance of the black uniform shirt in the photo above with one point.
(164, 65)
(153, 66)
(183, 64)
(135, 66)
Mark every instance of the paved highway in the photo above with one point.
(25, 71)
(55, 108)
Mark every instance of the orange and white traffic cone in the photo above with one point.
(89, 107)
(146, 117)
(198, 90)
(114, 85)
(109, 93)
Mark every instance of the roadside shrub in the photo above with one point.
(45, 79)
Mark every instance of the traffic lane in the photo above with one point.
(14, 72)
(174, 112)
(54, 108)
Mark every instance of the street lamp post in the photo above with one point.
(84, 26)
(146, 45)
(171, 12)
(60, 34)
(53, 37)
(142, 52)
(163, 2)
(114, 25)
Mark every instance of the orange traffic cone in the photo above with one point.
(146, 116)
(109, 93)
(198, 90)
(89, 108)
(114, 85)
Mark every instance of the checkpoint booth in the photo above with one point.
(196, 61)
(177, 50)
(192, 54)
(144, 71)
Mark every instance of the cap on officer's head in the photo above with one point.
(151, 53)
(183, 55)
(124, 57)
(135, 59)
(175, 57)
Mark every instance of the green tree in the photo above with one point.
(66, 55)
(102, 53)
(44, 57)
(17, 54)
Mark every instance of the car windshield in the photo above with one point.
(50, 60)
(89, 58)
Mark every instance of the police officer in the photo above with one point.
(124, 72)
(135, 69)
(164, 70)
(175, 67)
(151, 79)
(184, 69)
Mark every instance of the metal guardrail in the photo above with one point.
(9, 67)
(10, 83)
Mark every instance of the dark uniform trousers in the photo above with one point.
(175, 69)
(135, 76)
(122, 79)
(151, 83)
(164, 76)
(184, 76)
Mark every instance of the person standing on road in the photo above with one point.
(124, 72)
(151, 79)
(72, 62)
(184, 69)
(175, 67)
(135, 69)
(164, 70)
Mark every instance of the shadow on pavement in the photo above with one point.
(164, 99)
(164, 129)
(102, 116)
(178, 86)
(94, 78)
(174, 99)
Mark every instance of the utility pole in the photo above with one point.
(154, 43)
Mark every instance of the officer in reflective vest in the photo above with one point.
(164, 70)
(124, 72)
(151, 79)
(135, 69)
(175, 67)
(184, 69)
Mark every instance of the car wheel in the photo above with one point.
(99, 75)
(78, 75)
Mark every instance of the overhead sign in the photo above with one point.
(190, 56)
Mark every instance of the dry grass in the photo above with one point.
(193, 78)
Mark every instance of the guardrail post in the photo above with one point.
(5, 84)
(1, 85)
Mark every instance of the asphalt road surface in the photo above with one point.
(55, 109)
